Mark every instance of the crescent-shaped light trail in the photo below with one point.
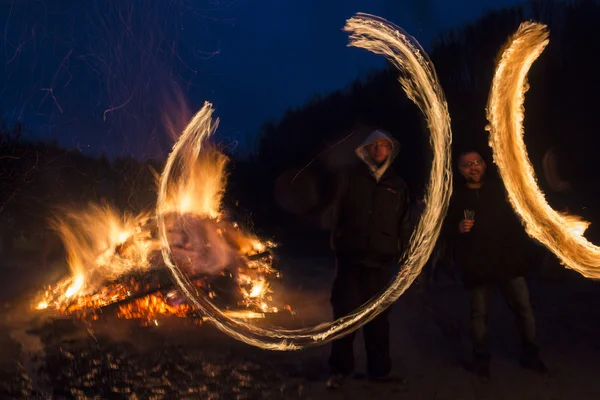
(559, 232)
(420, 83)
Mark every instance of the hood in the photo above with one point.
(363, 154)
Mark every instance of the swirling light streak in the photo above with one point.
(559, 232)
(420, 83)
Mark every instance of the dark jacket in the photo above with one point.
(496, 247)
(371, 218)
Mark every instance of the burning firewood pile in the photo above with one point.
(117, 260)
(223, 262)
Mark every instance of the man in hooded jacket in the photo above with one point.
(371, 228)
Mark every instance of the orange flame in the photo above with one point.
(147, 308)
(201, 186)
(101, 244)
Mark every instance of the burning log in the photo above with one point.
(159, 283)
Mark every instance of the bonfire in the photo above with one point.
(115, 258)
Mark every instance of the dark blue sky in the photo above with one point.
(104, 76)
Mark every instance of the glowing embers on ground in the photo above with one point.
(419, 81)
(559, 232)
(116, 264)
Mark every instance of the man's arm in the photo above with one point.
(454, 215)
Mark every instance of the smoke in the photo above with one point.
(197, 245)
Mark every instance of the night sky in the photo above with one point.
(110, 76)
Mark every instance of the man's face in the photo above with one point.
(379, 151)
(472, 167)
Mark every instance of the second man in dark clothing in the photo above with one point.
(490, 247)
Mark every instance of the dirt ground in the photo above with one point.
(50, 358)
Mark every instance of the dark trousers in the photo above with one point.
(516, 295)
(354, 285)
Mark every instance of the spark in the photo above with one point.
(559, 232)
(20, 47)
(320, 154)
(51, 93)
(421, 85)
(50, 90)
(117, 107)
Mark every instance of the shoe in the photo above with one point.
(482, 371)
(335, 381)
(534, 364)
(481, 365)
(388, 378)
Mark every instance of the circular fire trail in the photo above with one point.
(559, 232)
(420, 83)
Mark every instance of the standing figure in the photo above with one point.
(370, 230)
(490, 249)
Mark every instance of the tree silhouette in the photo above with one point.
(560, 106)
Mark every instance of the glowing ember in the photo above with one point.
(149, 307)
(245, 314)
(559, 232)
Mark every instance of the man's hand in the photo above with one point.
(465, 225)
